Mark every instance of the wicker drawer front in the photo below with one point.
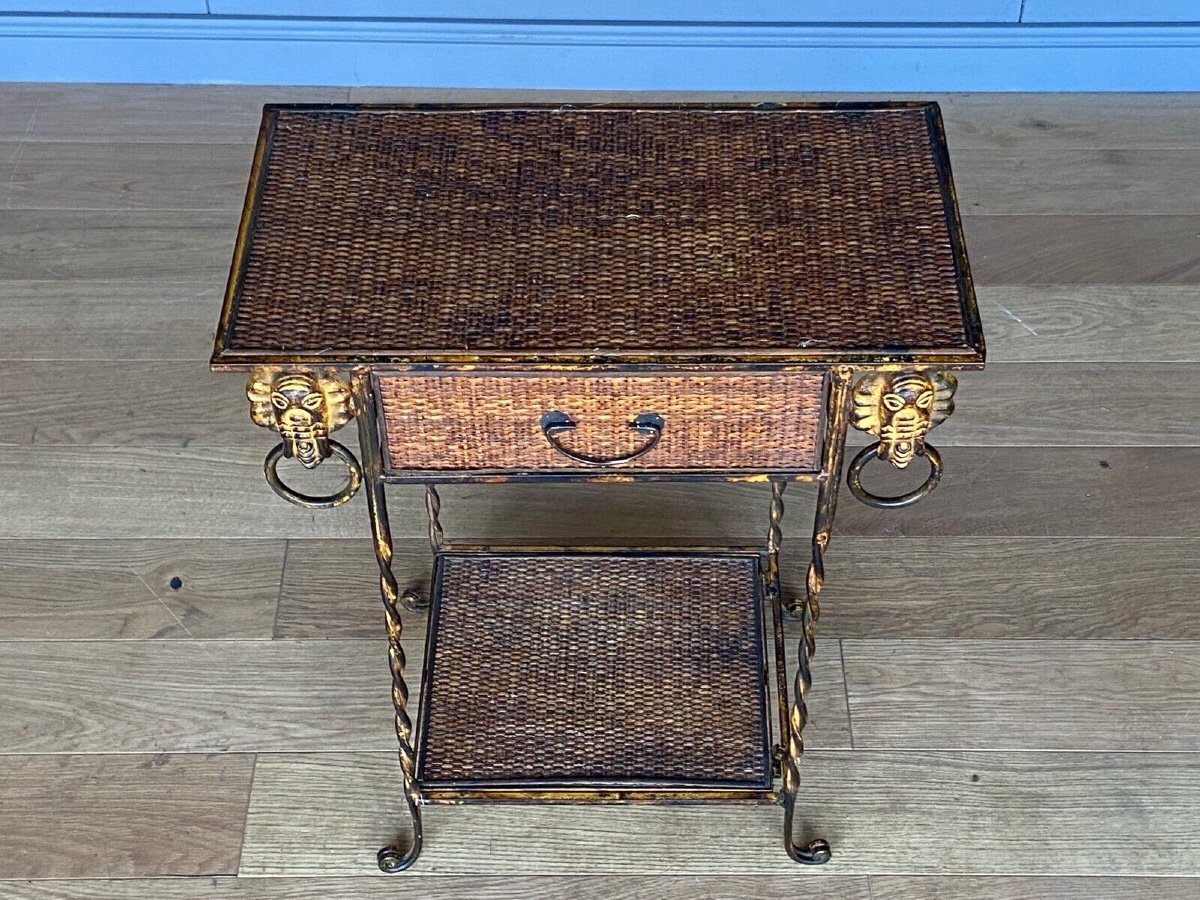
(484, 421)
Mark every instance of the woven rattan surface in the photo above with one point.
(603, 233)
(710, 421)
(596, 669)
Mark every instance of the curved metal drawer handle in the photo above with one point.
(556, 423)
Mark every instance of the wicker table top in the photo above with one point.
(798, 234)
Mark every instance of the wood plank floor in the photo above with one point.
(193, 692)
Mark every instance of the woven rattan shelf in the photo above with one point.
(614, 293)
(599, 674)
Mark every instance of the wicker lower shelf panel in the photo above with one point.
(592, 676)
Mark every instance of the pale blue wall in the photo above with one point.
(757, 45)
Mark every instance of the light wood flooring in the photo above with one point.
(193, 688)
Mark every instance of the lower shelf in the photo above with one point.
(595, 676)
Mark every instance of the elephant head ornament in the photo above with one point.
(899, 409)
(304, 407)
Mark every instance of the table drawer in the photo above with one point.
(482, 421)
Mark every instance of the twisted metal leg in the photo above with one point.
(433, 510)
(774, 535)
(817, 851)
(392, 858)
(773, 589)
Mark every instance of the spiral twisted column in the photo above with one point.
(392, 858)
(774, 535)
(808, 610)
(433, 510)
(827, 495)
(817, 851)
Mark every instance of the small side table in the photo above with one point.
(601, 293)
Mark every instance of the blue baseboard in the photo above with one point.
(600, 55)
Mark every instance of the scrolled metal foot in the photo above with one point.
(413, 600)
(815, 853)
(393, 859)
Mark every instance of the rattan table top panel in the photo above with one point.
(617, 233)
(594, 669)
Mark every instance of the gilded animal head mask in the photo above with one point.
(900, 410)
(303, 407)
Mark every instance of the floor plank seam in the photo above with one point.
(279, 596)
(237, 868)
(846, 690)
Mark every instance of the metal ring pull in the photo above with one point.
(556, 423)
(854, 479)
(353, 479)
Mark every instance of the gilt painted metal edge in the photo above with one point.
(970, 357)
(573, 104)
(601, 797)
(972, 323)
(599, 791)
(431, 360)
(266, 131)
